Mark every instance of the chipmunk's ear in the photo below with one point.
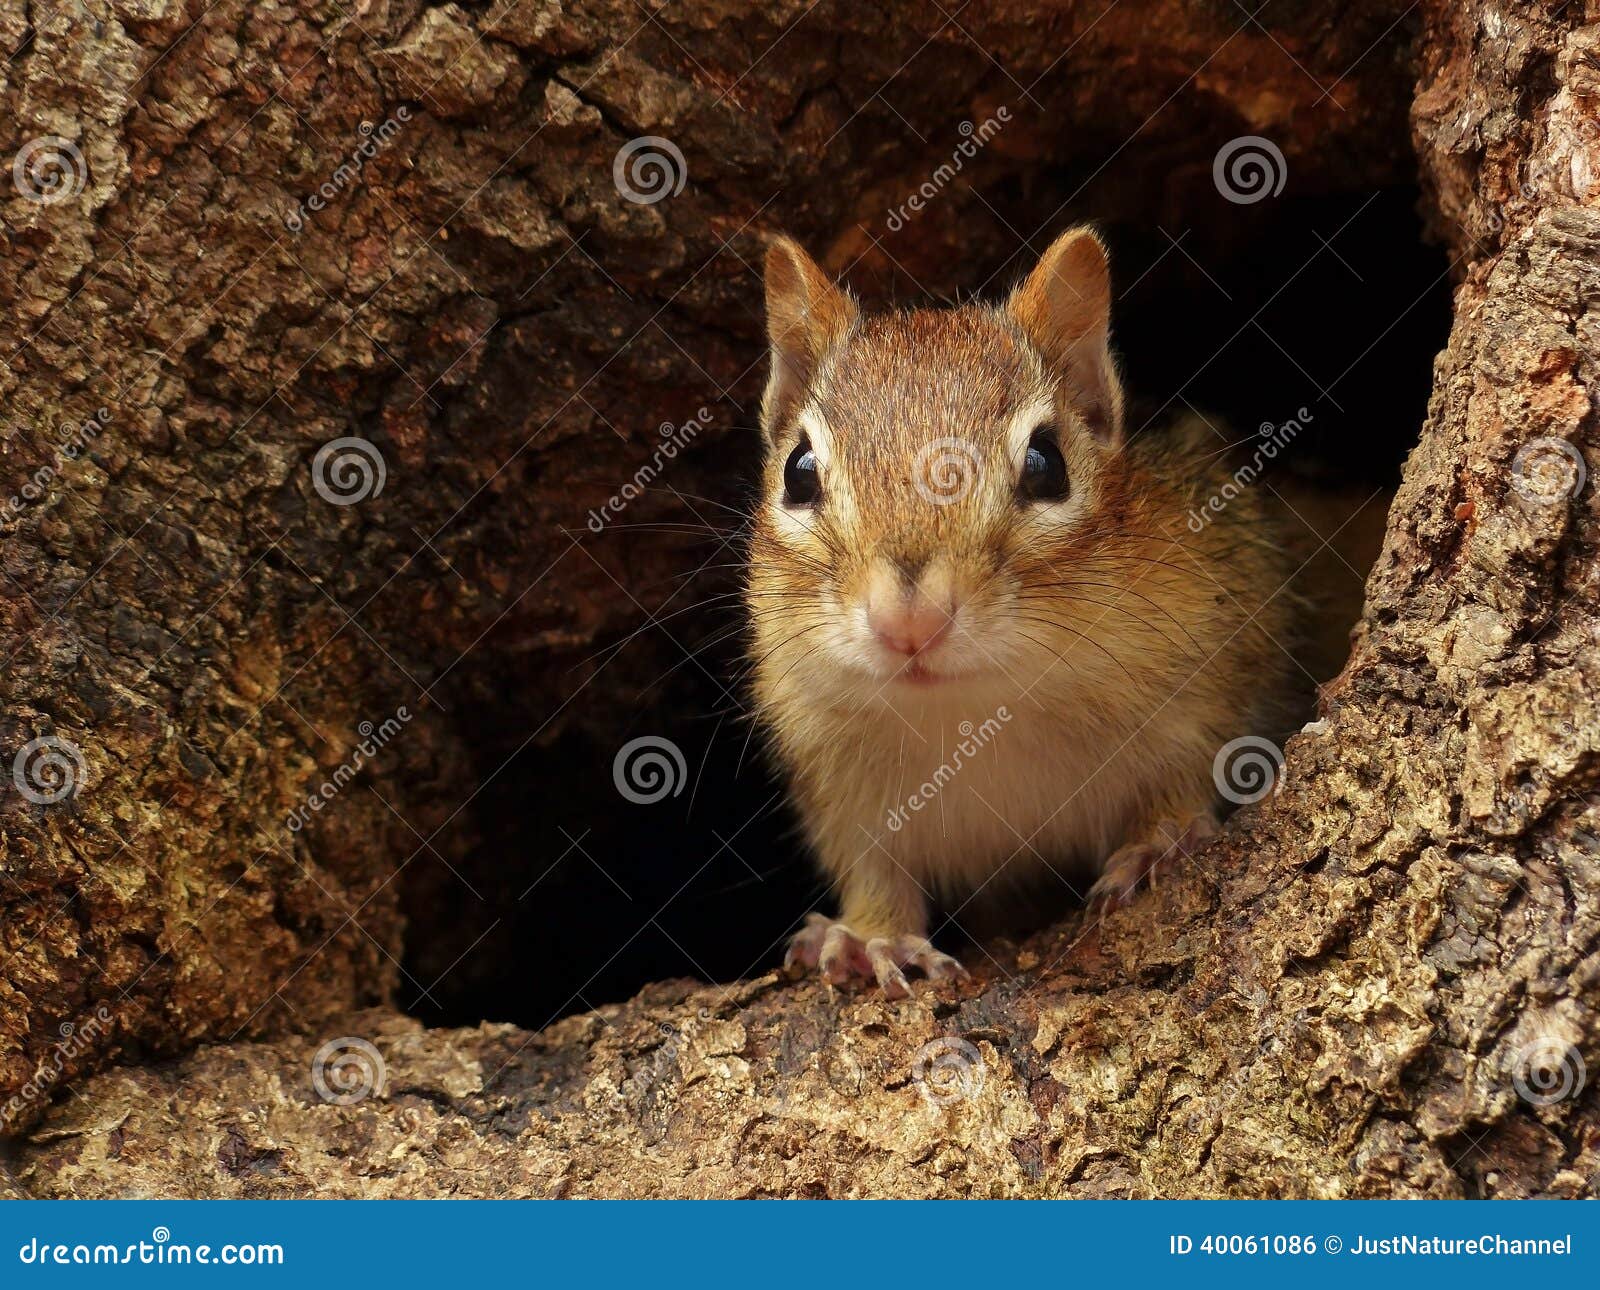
(1064, 308)
(806, 315)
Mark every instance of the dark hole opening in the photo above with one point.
(1332, 305)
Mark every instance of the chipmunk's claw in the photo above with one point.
(805, 946)
(1139, 862)
(842, 956)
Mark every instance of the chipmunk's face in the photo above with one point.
(930, 475)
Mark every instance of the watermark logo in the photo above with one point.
(160, 1250)
(373, 739)
(1570, 740)
(349, 470)
(1548, 1071)
(949, 1070)
(648, 169)
(71, 441)
(674, 439)
(347, 1070)
(1563, 169)
(1270, 441)
(946, 470)
(375, 138)
(1249, 169)
(1277, 1034)
(1548, 471)
(76, 1039)
(1246, 769)
(48, 770)
(662, 1062)
(49, 170)
(974, 138)
(973, 740)
(648, 769)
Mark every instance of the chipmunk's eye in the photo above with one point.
(1044, 470)
(802, 484)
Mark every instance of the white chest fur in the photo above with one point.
(958, 792)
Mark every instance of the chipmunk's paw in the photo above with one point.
(1138, 862)
(842, 955)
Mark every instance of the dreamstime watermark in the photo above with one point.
(1564, 167)
(1278, 1035)
(973, 140)
(348, 1070)
(1570, 739)
(946, 470)
(649, 169)
(48, 170)
(1548, 471)
(373, 739)
(674, 439)
(1270, 441)
(1548, 1071)
(375, 138)
(48, 770)
(973, 740)
(160, 1250)
(70, 443)
(949, 1070)
(74, 1042)
(348, 470)
(1246, 769)
(661, 1061)
(648, 769)
(1249, 169)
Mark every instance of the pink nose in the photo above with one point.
(908, 626)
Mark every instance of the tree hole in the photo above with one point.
(562, 894)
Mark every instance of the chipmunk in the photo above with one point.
(984, 638)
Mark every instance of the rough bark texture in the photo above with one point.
(1343, 997)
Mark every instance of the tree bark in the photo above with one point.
(1364, 986)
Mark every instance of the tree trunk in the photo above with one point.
(281, 227)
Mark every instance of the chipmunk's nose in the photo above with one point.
(908, 625)
(911, 603)
(910, 615)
